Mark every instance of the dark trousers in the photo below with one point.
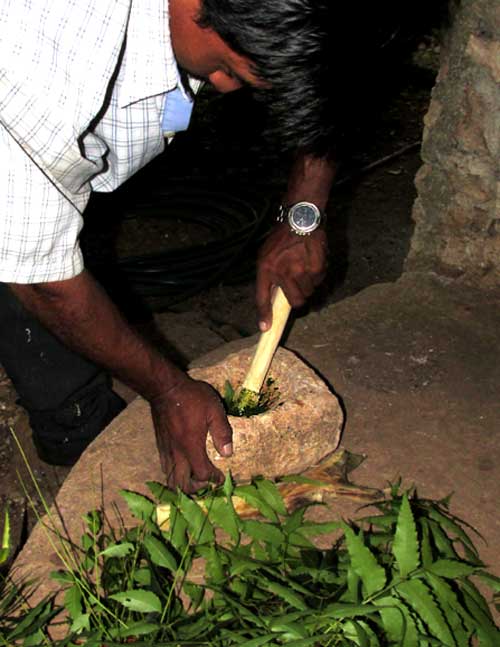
(69, 400)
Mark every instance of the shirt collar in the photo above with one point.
(148, 67)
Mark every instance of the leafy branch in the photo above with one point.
(204, 575)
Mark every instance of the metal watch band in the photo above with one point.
(282, 211)
(283, 216)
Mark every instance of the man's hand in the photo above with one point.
(80, 313)
(182, 418)
(296, 263)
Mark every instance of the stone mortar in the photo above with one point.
(288, 439)
(304, 427)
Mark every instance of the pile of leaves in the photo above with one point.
(403, 576)
(245, 403)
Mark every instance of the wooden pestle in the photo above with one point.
(268, 343)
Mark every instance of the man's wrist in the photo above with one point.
(302, 218)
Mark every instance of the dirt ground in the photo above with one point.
(417, 357)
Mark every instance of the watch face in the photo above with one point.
(304, 217)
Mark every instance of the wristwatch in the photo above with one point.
(303, 217)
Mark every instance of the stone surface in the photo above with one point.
(457, 212)
(288, 439)
(302, 429)
(417, 366)
(185, 336)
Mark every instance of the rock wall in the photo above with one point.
(457, 211)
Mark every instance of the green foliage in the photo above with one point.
(245, 403)
(5, 545)
(394, 578)
(20, 623)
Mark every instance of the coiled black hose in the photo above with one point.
(236, 224)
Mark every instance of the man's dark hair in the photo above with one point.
(288, 42)
(326, 61)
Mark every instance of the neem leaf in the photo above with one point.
(491, 580)
(31, 622)
(303, 642)
(263, 532)
(196, 594)
(117, 550)
(488, 633)
(355, 631)
(405, 546)
(93, 520)
(228, 394)
(257, 642)
(139, 628)
(425, 544)
(373, 640)
(284, 592)
(452, 525)
(442, 542)
(254, 498)
(294, 520)
(342, 610)
(159, 553)
(228, 487)
(138, 600)
(139, 505)
(290, 631)
(385, 521)
(451, 568)
(177, 530)
(297, 539)
(393, 619)
(281, 623)
(62, 576)
(489, 637)
(241, 563)
(244, 611)
(161, 492)
(81, 623)
(271, 494)
(222, 514)
(197, 521)
(142, 576)
(364, 562)
(214, 568)
(477, 600)
(456, 615)
(73, 601)
(353, 587)
(35, 640)
(320, 527)
(418, 596)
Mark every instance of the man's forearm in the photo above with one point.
(310, 179)
(80, 313)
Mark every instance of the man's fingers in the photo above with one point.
(293, 292)
(184, 475)
(166, 461)
(179, 475)
(263, 302)
(306, 287)
(221, 433)
(215, 476)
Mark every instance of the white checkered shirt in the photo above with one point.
(82, 89)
